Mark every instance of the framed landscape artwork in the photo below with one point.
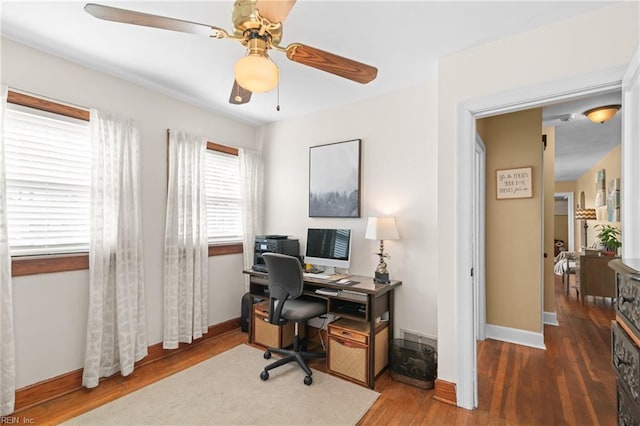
(334, 179)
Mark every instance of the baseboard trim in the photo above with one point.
(550, 318)
(445, 392)
(63, 384)
(514, 335)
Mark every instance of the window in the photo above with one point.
(48, 168)
(224, 207)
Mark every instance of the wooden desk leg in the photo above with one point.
(391, 305)
(372, 340)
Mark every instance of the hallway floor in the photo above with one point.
(571, 383)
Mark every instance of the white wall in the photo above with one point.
(409, 154)
(398, 166)
(563, 50)
(51, 309)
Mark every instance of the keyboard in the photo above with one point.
(318, 276)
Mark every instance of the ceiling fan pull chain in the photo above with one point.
(278, 96)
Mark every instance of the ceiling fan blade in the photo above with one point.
(115, 14)
(239, 95)
(329, 62)
(275, 10)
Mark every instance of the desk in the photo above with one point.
(368, 302)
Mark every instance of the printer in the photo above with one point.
(272, 244)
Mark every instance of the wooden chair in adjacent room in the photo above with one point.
(571, 267)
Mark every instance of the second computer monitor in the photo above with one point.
(328, 247)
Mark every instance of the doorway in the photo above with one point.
(467, 115)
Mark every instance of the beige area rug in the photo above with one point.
(227, 390)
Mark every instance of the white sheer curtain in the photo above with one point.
(186, 249)
(251, 191)
(7, 341)
(116, 327)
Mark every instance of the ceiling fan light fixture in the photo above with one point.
(602, 114)
(256, 73)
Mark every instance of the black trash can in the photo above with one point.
(245, 310)
(414, 363)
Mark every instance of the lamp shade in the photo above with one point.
(586, 214)
(382, 228)
(256, 73)
(602, 114)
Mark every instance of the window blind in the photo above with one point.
(222, 180)
(48, 170)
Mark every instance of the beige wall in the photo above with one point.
(568, 186)
(513, 227)
(611, 163)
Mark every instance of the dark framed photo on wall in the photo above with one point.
(334, 179)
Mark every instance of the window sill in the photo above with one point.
(21, 266)
(222, 249)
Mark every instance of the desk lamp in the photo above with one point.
(382, 228)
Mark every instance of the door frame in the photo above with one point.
(467, 114)
(478, 276)
(479, 196)
(630, 211)
(570, 217)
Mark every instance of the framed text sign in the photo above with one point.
(513, 183)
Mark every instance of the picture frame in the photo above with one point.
(334, 179)
(613, 200)
(514, 183)
(601, 192)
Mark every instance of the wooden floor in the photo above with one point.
(571, 383)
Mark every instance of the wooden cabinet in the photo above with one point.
(596, 278)
(349, 350)
(625, 339)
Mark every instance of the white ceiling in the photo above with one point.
(403, 39)
(581, 143)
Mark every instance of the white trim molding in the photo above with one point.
(630, 156)
(514, 335)
(550, 318)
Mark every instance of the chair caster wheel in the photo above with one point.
(267, 355)
(265, 375)
(307, 380)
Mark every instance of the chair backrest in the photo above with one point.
(285, 282)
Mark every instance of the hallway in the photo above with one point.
(570, 383)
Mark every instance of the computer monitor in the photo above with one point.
(330, 248)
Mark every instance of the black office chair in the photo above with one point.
(285, 288)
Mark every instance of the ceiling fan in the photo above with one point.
(257, 24)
